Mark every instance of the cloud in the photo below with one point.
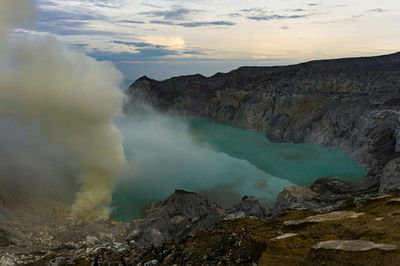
(178, 16)
(54, 14)
(255, 9)
(378, 10)
(176, 13)
(194, 52)
(140, 44)
(234, 15)
(275, 17)
(79, 45)
(261, 14)
(348, 19)
(195, 23)
(206, 23)
(143, 54)
(53, 19)
(132, 21)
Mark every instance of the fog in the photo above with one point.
(164, 155)
(73, 101)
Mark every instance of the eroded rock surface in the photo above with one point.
(248, 207)
(338, 215)
(353, 245)
(351, 104)
(181, 214)
(324, 195)
(284, 236)
(390, 176)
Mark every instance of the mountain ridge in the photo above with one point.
(352, 104)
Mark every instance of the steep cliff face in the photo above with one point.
(351, 104)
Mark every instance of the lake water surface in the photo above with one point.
(221, 161)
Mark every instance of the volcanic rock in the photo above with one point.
(248, 207)
(353, 245)
(182, 214)
(390, 176)
(338, 215)
(351, 104)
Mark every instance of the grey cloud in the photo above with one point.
(132, 21)
(261, 14)
(79, 45)
(164, 22)
(352, 18)
(45, 14)
(140, 44)
(65, 22)
(378, 10)
(194, 24)
(275, 17)
(235, 15)
(206, 23)
(141, 55)
(255, 9)
(176, 13)
(68, 28)
(194, 52)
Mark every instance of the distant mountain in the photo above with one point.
(352, 104)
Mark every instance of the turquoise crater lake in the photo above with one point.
(221, 161)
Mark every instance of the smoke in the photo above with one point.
(165, 153)
(72, 98)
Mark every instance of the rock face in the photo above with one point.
(325, 195)
(248, 207)
(182, 214)
(390, 176)
(338, 215)
(351, 104)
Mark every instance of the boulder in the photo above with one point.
(284, 236)
(324, 195)
(180, 215)
(248, 207)
(338, 215)
(353, 245)
(390, 176)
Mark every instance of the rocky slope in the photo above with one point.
(352, 104)
(357, 235)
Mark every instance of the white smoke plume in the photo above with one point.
(72, 97)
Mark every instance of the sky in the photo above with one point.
(165, 38)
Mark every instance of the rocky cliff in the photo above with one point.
(352, 104)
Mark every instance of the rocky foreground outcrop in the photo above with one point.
(185, 213)
(357, 235)
(182, 214)
(352, 104)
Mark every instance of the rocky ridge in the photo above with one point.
(358, 235)
(58, 241)
(352, 104)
